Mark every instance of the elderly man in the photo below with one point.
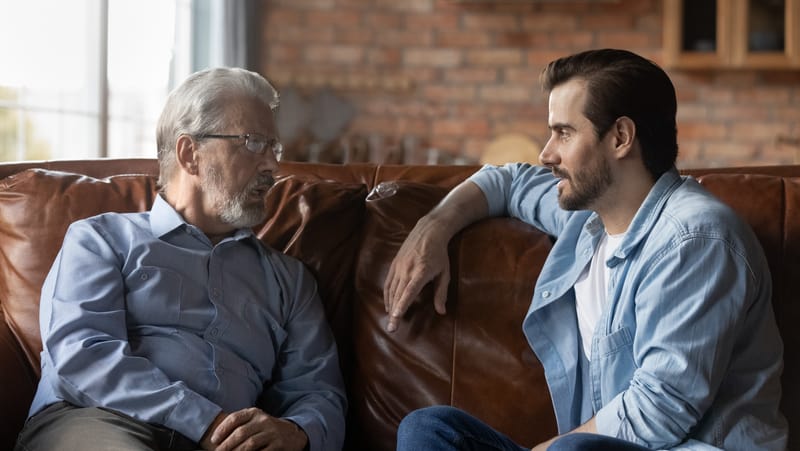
(652, 316)
(176, 328)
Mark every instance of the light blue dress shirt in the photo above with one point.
(140, 313)
(687, 353)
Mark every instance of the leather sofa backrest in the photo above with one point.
(475, 357)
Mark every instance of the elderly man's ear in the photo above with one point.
(185, 152)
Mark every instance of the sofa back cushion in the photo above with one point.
(319, 222)
(36, 207)
(476, 356)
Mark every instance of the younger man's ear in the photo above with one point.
(185, 153)
(624, 134)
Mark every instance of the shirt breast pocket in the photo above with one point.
(153, 297)
(615, 355)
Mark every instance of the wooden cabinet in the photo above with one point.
(753, 34)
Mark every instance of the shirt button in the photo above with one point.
(214, 332)
(143, 276)
(545, 294)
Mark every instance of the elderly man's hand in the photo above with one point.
(253, 429)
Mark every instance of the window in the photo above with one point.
(88, 78)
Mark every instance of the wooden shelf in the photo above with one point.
(732, 34)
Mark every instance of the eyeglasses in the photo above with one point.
(255, 143)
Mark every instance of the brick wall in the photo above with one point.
(453, 76)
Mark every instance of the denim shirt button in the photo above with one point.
(545, 294)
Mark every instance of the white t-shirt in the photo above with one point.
(590, 290)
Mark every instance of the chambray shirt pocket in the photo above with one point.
(150, 286)
(615, 351)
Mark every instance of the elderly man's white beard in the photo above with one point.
(234, 209)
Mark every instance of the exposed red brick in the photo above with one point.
(404, 38)
(607, 21)
(625, 39)
(384, 57)
(493, 22)
(505, 93)
(701, 130)
(419, 6)
(333, 18)
(522, 39)
(557, 23)
(432, 57)
(497, 57)
(280, 18)
(334, 54)
(463, 39)
(762, 96)
(449, 93)
(384, 20)
(460, 127)
(739, 113)
(406, 65)
(434, 21)
(472, 75)
(758, 131)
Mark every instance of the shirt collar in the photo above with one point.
(650, 210)
(164, 220)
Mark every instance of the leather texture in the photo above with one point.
(346, 222)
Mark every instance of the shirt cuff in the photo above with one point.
(312, 429)
(609, 418)
(192, 416)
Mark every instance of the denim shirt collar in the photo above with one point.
(645, 218)
(650, 210)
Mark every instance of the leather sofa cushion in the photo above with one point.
(36, 207)
(319, 222)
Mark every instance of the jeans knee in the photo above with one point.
(591, 442)
(426, 418)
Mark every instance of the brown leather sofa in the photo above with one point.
(346, 222)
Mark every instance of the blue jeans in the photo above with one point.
(441, 428)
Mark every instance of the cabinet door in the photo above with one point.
(765, 33)
(754, 34)
(696, 33)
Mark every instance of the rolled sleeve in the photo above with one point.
(525, 192)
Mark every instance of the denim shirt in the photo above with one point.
(141, 314)
(686, 353)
